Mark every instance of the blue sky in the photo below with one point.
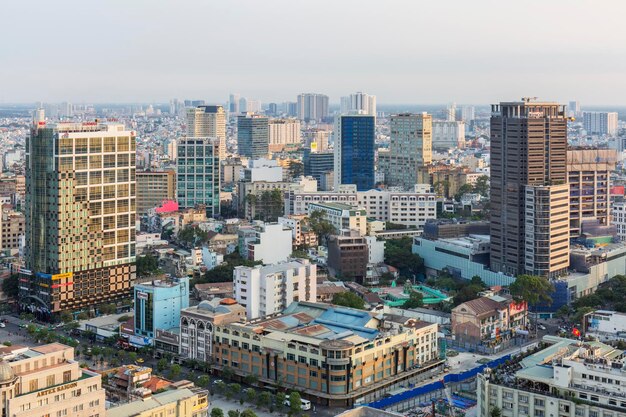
(477, 51)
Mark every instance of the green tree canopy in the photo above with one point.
(348, 299)
(295, 403)
(399, 253)
(416, 299)
(147, 264)
(320, 225)
(217, 412)
(532, 289)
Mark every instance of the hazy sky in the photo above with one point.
(435, 51)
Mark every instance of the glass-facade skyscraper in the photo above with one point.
(354, 151)
(80, 216)
(253, 136)
(198, 174)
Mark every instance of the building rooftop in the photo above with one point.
(157, 400)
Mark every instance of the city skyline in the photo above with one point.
(138, 52)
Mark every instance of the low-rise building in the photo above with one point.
(300, 231)
(12, 230)
(342, 216)
(348, 255)
(332, 355)
(47, 381)
(569, 378)
(411, 209)
(605, 325)
(157, 306)
(267, 290)
(183, 402)
(197, 326)
(489, 320)
(213, 290)
(297, 201)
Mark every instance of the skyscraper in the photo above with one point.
(451, 112)
(600, 123)
(253, 135)
(154, 187)
(312, 106)
(574, 108)
(233, 104)
(80, 216)
(468, 114)
(198, 174)
(354, 151)
(359, 103)
(410, 148)
(529, 189)
(283, 132)
(208, 122)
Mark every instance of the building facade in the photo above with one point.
(208, 122)
(348, 255)
(588, 173)
(410, 147)
(272, 243)
(354, 151)
(333, 355)
(268, 290)
(80, 216)
(181, 402)
(253, 136)
(12, 229)
(198, 174)
(47, 381)
(282, 133)
(600, 123)
(297, 201)
(529, 191)
(342, 216)
(411, 209)
(158, 304)
(316, 164)
(358, 103)
(312, 107)
(448, 135)
(154, 187)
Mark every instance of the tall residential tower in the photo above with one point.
(208, 122)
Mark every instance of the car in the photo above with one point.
(218, 381)
(140, 360)
(2, 325)
(23, 326)
(542, 327)
(304, 404)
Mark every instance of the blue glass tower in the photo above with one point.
(354, 151)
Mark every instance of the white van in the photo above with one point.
(305, 404)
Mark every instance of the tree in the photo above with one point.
(234, 389)
(217, 412)
(250, 395)
(132, 356)
(495, 412)
(147, 264)
(203, 380)
(399, 253)
(10, 286)
(416, 299)
(295, 403)
(82, 316)
(580, 313)
(263, 399)
(251, 379)
(320, 225)
(463, 189)
(221, 387)
(107, 308)
(482, 185)
(161, 364)
(175, 371)
(228, 373)
(280, 400)
(233, 413)
(248, 413)
(348, 299)
(563, 311)
(532, 289)
(66, 316)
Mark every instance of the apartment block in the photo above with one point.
(268, 290)
(283, 133)
(448, 135)
(271, 244)
(12, 229)
(301, 233)
(297, 201)
(600, 123)
(208, 122)
(312, 107)
(333, 355)
(348, 255)
(181, 402)
(47, 381)
(411, 209)
(154, 187)
(80, 216)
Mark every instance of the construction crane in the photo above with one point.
(449, 398)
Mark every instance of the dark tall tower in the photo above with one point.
(253, 136)
(529, 189)
(354, 151)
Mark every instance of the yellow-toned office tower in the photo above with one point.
(208, 121)
(80, 216)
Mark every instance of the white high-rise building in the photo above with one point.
(451, 112)
(359, 103)
(448, 135)
(618, 218)
(468, 113)
(266, 290)
(312, 106)
(600, 123)
(410, 208)
(208, 122)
